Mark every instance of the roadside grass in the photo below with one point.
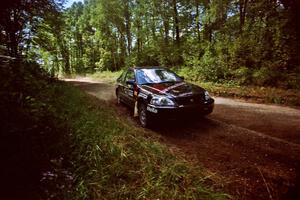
(112, 159)
(258, 94)
(59, 143)
(289, 97)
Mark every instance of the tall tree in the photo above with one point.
(16, 15)
(242, 9)
(176, 22)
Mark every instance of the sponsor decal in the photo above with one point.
(176, 91)
(153, 110)
(142, 95)
(186, 94)
(152, 88)
(172, 87)
(166, 89)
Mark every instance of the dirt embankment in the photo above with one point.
(254, 148)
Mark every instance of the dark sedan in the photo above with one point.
(158, 93)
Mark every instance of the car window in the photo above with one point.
(130, 75)
(145, 76)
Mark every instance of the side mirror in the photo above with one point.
(130, 82)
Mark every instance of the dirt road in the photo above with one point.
(254, 148)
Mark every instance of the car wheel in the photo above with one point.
(143, 116)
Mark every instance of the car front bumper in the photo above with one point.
(170, 113)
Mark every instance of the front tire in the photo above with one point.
(143, 116)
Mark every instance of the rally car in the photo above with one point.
(157, 93)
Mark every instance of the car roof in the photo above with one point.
(148, 67)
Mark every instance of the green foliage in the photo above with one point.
(18, 20)
(105, 61)
(187, 72)
(217, 39)
(243, 75)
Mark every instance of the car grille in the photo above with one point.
(190, 100)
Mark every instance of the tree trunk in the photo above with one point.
(208, 25)
(197, 20)
(13, 28)
(166, 31)
(139, 39)
(13, 45)
(176, 22)
(242, 9)
(66, 61)
(123, 50)
(127, 26)
(65, 55)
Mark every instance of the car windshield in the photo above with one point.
(145, 76)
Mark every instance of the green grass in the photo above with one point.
(112, 159)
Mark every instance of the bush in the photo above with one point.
(243, 75)
(209, 67)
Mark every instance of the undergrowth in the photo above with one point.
(59, 143)
(231, 88)
(257, 94)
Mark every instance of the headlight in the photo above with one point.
(162, 101)
(206, 95)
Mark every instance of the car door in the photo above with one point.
(129, 88)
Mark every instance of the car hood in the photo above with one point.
(174, 89)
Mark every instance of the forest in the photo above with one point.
(59, 142)
(242, 41)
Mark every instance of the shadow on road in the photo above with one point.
(186, 128)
